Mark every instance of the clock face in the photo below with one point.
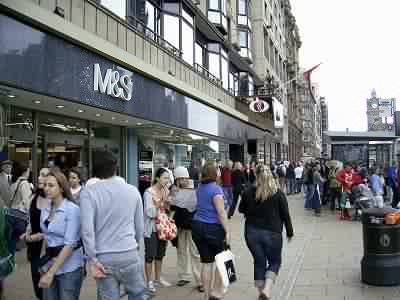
(374, 105)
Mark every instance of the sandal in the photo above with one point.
(182, 282)
(200, 288)
(263, 297)
(214, 298)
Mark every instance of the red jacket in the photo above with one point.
(348, 179)
(226, 177)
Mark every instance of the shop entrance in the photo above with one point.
(51, 140)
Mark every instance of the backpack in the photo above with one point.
(333, 183)
(280, 172)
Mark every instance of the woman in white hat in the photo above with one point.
(184, 204)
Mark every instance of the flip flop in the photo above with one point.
(200, 288)
(182, 282)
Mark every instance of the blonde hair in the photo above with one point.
(266, 185)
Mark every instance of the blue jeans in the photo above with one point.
(65, 286)
(266, 248)
(129, 273)
(228, 192)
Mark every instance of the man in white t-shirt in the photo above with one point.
(298, 171)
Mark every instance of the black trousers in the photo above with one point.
(236, 194)
(334, 193)
(36, 277)
(396, 198)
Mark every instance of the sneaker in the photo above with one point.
(151, 288)
(162, 283)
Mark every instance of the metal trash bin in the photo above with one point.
(380, 264)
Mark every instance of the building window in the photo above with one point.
(178, 29)
(245, 43)
(152, 20)
(246, 84)
(243, 14)
(187, 37)
(171, 29)
(217, 14)
(234, 83)
(218, 63)
(118, 7)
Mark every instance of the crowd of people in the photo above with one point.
(72, 227)
(349, 187)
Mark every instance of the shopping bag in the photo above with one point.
(225, 262)
(165, 226)
(348, 204)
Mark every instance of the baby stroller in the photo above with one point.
(361, 198)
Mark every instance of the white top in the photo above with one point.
(298, 171)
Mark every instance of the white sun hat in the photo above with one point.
(181, 172)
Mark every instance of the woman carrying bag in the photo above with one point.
(266, 210)
(184, 205)
(155, 200)
(34, 236)
(210, 229)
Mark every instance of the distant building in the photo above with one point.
(324, 127)
(380, 113)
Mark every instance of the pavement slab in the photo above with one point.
(322, 262)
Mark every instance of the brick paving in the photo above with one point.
(321, 262)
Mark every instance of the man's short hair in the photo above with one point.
(104, 164)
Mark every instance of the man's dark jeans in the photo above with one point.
(236, 193)
(266, 249)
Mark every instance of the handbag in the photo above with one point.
(225, 262)
(165, 226)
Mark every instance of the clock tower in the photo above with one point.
(380, 113)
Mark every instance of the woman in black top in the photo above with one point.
(34, 236)
(266, 210)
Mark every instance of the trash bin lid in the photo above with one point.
(370, 213)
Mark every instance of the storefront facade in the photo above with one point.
(60, 102)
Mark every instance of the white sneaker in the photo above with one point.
(150, 287)
(162, 283)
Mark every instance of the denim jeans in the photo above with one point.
(228, 192)
(129, 273)
(66, 286)
(266, 248)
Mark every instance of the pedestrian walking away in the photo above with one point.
(266, 211)
(112, 230)
(238, 184)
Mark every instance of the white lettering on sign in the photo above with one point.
(113, 84)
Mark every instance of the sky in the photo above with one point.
(358, 43)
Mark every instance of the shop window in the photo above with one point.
(107, 137)
(217, 14)
(118, 7)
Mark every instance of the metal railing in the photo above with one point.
(207, 74)
(149, 34)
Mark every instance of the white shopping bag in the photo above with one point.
(225, 262)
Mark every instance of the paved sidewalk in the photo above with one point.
(322, 262)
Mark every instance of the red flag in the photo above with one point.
(307, 74)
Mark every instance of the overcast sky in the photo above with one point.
(358, 43)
